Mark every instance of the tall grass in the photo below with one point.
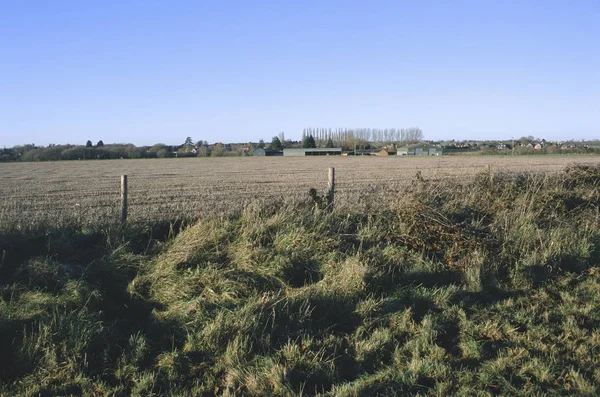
(483, 287)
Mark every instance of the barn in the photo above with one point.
(420, 151)
(266, 152)
(313, 152)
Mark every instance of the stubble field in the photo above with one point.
(87, 192)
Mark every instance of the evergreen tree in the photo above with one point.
(329, 143)
(309, 142)
(276, 144)
(89, 144)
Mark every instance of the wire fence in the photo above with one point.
(88, 193)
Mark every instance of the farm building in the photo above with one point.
(266, 152)
(312, 152)
(419, 151)
(386, 152)
(358, 153)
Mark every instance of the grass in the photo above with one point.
(474, 288)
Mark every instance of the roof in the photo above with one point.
(321, 149)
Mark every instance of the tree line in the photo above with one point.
(347, 137)
(100, 151)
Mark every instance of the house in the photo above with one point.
(386, 152)
(538, 146)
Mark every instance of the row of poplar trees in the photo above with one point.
(349, 136)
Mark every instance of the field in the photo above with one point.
(88, 192)
(423, 286)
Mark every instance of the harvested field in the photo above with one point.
(88, 192)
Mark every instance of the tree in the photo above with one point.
(251, 148)
(276, 144)
(218, 151)
(202, 148)
(188, 143)
(329, 143)
(100, 143)
(89, 144)
(411, 135)
(163, 153)
(309, 142)
(261, 144)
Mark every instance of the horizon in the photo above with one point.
(294, 141)
(238, 72)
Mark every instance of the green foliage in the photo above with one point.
(308, 142)
(448, 289)
(218, 151)
(276, 144)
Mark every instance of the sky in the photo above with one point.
(146, 72)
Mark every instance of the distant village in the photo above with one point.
(438, 148)
(309, 146)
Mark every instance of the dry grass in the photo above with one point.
(452, 290)
(87, 192)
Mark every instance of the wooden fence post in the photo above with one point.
(490, 175)
(123, 199)
(331, 191)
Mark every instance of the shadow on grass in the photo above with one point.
(383, 282)
(431, 279)
(420, 305)
(485, 298)
(302, 272)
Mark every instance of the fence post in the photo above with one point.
(490, 175)
(331, 191)
(123, 199)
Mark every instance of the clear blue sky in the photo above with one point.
(235, 71)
